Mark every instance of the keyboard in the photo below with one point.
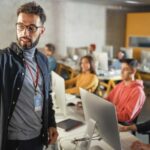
(69, 96)
(71, 99)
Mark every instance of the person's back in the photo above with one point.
(49, 51)
(52, 64)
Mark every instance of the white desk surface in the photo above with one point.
(65, 137)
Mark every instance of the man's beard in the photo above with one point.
(28, 45)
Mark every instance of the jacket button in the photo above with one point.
(23, 59)
(13, 102)
(18, 88)
(22, 74)
(8, 117)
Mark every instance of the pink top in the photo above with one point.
(128, 99)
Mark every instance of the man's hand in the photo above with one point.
(127, 128)
(140, 146)
(53, 134)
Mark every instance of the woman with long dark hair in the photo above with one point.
(87, 78)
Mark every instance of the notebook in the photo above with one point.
(69, 124)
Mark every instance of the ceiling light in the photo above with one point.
(132, 2)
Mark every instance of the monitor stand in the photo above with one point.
(96, 148)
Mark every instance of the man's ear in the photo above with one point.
(42, 30)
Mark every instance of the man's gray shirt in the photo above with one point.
(26, 123)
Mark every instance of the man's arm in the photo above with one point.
(143, 127)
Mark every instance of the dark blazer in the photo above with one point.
(12, 72)
(143, 127)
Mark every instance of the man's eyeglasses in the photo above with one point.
(31, 28)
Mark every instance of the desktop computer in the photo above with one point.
(58, 95)
(101, 59)
(61, 99)
(109, 50)
(103, 112)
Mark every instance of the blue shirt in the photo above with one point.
(52, 64)
(116, 64)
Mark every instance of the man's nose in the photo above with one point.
(26, 32)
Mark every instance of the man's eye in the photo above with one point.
(32, 28)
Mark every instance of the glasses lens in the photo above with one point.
(20, 26)
(30, 28)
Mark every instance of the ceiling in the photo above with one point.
(125, 3)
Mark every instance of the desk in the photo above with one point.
(65, 138)
(111, 78)
(145, 75)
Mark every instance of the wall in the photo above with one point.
(85, 24)
(69, 23)
(8, 19)
(137, 25)
(115, 25)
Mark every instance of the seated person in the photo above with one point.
(117, 62)
(142, 127)
(91, 48)
(49, 51)
(128, 96)
(86, 79)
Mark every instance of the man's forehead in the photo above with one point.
(28, 19)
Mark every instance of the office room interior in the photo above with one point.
(112, 29)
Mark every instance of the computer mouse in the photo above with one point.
(70, 104)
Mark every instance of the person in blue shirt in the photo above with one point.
(117, 62)
(49, 51)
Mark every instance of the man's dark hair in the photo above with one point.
(131, 62)
(50, 47)
(32, 8)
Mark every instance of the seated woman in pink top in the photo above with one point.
(128, 96)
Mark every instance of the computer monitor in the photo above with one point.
(82, 51)
(128, 51)
(109, 50)
(103, 112)
(58, 88)
(71, 52)
(101, 59)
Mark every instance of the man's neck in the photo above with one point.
(127, 82)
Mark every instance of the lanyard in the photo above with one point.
(35, 81)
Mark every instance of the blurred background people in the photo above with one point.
(91, 49)
(116, 64)
(87, 78)
(128, 96)
(49, 51)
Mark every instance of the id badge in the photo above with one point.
(37, 102)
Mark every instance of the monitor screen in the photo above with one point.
(101, 60)
(103, 112)
(108, 50)
(58, 88)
